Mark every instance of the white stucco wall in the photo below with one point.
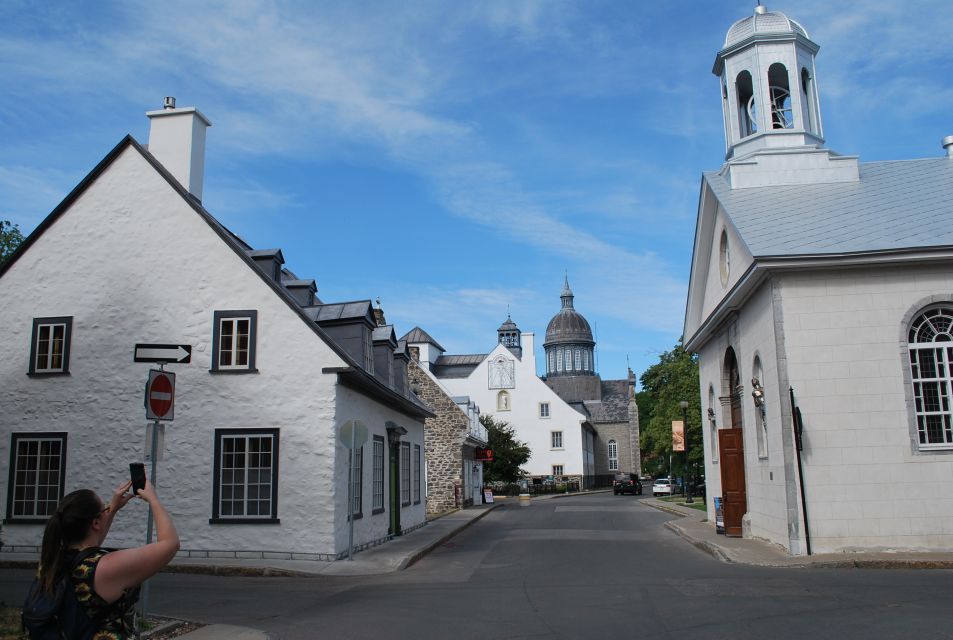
(867, 485)
(132, 262)
(529, 391)
(751, 335)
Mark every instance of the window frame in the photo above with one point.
(562, 471)
(544, 411)
(943, 384)
(218, 316)
(377, 480)
(404, 474)
(613, 459)
(67, 322)
(556, 440)
(357, 485)
(218, 436)
(17, 437)
(418, 467)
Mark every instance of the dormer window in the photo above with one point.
(368, 351)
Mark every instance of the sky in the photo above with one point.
(455, 159)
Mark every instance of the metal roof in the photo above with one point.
(898, 204)
(417, 335)
(341, 311)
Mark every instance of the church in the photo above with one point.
(820, 305)
(578, 427)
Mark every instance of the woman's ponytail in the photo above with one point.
(68, 525)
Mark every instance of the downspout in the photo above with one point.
(798, 426)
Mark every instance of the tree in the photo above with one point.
(664, 385)
(10, 239)
(508, 452)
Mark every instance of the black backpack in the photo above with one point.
(58, 615)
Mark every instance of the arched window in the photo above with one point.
(585, 359)
(724, 258)
(613, 455)
(559, 360)
(503, 401)
(930, 343)
(760, 417)
(578, 359)
(552, 364)
(568, 359)
(782, 114)
(712, 423)
(747, 109)
(808, 107)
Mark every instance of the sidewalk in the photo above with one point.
(693, 527)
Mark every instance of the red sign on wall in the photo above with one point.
(484, 455)
(160, 395)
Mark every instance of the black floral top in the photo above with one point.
(117, 617)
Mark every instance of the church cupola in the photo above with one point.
(569, 347)
(769, 99)
(769, 96)
(508, 335)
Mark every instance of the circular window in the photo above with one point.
(724, 259)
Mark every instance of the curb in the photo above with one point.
(420, 553)
(707, 547)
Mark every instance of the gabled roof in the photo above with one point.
(418, 335)
(353, 373)
(457, 366)
(385, 334)
(895, 205)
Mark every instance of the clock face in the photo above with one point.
(501, 373)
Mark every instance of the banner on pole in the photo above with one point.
(678, 435)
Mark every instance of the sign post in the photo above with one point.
(353, 435)
(159, 402)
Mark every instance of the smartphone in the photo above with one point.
(137, 472)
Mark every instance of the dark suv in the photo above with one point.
(627, 483)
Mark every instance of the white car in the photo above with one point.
(662, 486)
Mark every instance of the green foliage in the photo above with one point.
(10, 239)
(673, 379)
(508, 452)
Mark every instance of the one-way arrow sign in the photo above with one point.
(181, 353)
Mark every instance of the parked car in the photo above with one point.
(662, 486)
(627, 483)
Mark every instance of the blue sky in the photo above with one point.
(454, 159)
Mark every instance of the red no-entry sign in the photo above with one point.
(160, 395)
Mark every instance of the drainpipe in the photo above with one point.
(798, 425)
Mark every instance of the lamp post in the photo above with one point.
(688, 485)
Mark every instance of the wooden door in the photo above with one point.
(732, 462)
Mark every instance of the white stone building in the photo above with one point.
(820, 288)
(504, 384)
(252, 464)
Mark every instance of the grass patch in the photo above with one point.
(699, 503)
(10, 628)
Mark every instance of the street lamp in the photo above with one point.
(688, 485)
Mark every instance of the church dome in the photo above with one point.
(568, 325)
(762, 22)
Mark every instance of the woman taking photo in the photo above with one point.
(106, 582)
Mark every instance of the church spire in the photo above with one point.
(566, 296)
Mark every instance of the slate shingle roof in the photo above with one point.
(614, 406)
(895, 205)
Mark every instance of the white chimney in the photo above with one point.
(948, 145)
(177, 140)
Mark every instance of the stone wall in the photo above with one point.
(444, 435)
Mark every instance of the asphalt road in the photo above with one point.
(599, 566)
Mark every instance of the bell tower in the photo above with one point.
(770, 105)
